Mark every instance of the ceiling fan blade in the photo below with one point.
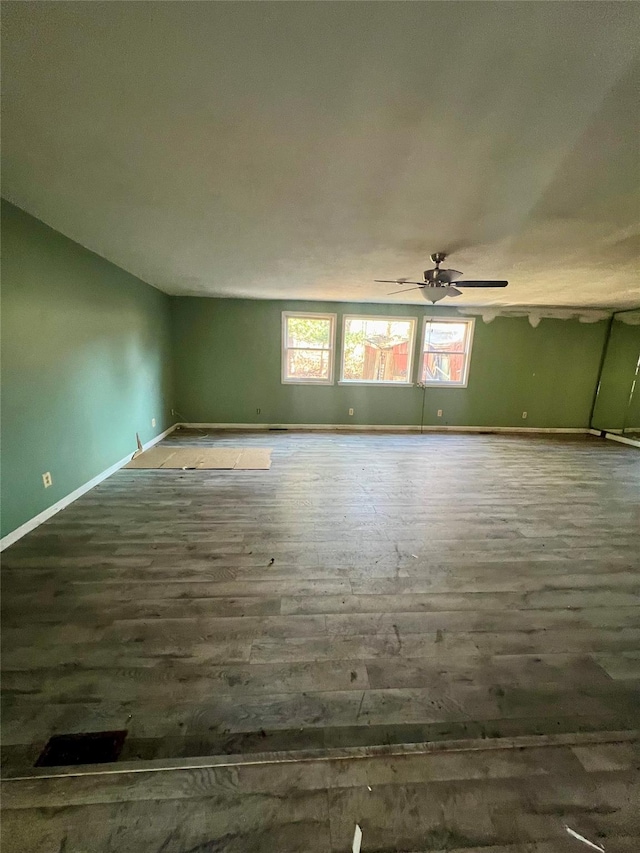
(453, 275)
(481, 283)
(453, 291)
(408, 290)
(397, 281)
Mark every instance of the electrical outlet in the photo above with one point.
(46, 479)
(153, 422)
(173, 412)
(257, 411)
(350, 411)
(439, 413)
(524, 415)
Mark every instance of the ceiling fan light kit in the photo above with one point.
(438, 283)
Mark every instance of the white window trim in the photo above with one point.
(332, 348)
(432, 319)
(380, 383)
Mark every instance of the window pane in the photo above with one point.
(445, 336)
(443, 367)
(309, 332)
(377, 350)
(308, 364)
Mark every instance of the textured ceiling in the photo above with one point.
(303, 149)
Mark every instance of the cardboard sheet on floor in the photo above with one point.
(201, 458)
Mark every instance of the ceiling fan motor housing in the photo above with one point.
(435, 276)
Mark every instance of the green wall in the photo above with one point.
(90, 354)
(86, 364)
(616, 408)
(227, 361)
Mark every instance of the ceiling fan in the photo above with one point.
(438, 283)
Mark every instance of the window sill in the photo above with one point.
(442, 384)
(375, 384)
(322, 383)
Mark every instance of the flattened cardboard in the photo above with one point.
(200, 458)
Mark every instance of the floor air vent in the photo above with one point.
(84, 748)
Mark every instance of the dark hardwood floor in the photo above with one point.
(369, 588)
(520, 796)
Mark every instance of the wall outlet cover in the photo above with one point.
(47, 480)
(350, 411)
(439, 413)
(153, 422)
(524, 415)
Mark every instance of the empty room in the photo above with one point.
(320, 427)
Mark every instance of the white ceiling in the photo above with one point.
(302, 149)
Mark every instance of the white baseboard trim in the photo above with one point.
(43, 516)
(381, 428)
(597, 432)
(622, 439)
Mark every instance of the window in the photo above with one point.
(446, 351)
(307, 348)
(378, 350)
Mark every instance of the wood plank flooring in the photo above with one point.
(369, 588)
(479, 797)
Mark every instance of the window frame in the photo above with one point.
(381, 383)
(311, 315)
(469, 321)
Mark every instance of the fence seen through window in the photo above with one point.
(378, 349)
(446, 351)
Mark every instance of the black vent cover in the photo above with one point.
(84, 748)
